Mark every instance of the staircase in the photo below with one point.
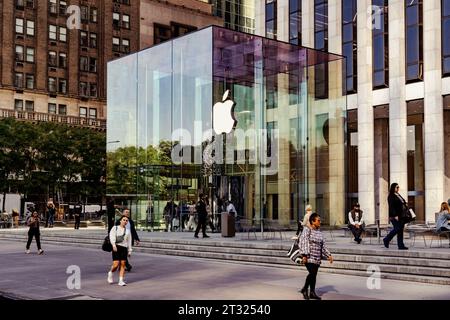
(412, 265)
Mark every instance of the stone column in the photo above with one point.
(308, 23)
(283, 20)
(433, 109)
(260, 18)
(366, 168)
(397, 92)
(336, 109)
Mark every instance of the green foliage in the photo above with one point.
(44, 157)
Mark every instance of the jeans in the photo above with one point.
(356, 232)
(51, 219)
(398, 230)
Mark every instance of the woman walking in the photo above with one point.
(397, 205)
(442, 221)
(33, 222)
(313, 250)
(120, 239)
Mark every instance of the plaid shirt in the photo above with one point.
(313, 246)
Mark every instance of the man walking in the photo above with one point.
(134, 236)
(202, 215)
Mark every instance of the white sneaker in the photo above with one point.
(122, 283)
(110, 277)
(27, 252)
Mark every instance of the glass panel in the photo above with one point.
(446, 37)
(412, 44)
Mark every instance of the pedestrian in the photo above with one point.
(397, 205)
(356, 222)
(191, 225)
(202, 215)
(110, 211)
(77, 214)
(134, 235)
(120, 239)
(50, 213)
(308, 212)
(443, 218)
(33, 222)
(209, 218)
(169, 213)
(15, 216)
(313, 249)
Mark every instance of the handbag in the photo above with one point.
(107, 244)
(294, 253)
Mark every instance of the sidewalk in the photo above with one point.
(161, 277)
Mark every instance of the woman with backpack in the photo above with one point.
(120, 239)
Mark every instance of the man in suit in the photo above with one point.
(134, 236)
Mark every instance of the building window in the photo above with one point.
(349, 43)
(30, 81)
(18, 105)
(94, 14)
(62, 86)
(116, 20)
(445, 37)
(272, 91)
(93, 90)
(83, 89)
(18, 80)
(414, 40)
(380, 44)
(19, 53)
(84, 13)
(125, 45)
(92, 113)
(20, 4)
(321, 43)
(62, 109)
(29, 106)
(271, 19)
(52, 62)
(62, 7)
(30, 28)
(295, 22)
(30, 55)
(52, 108)
(30, 4)
(178, 30)
(126, 21)
(116, 44)
(162, 33)
(83, 112)
(19, 25)
(62, 60)
(62, 34)
(83, 39)
(52, 84)
(84, 64)
(93, 40)
(53, 6)
(92, 64)
(52, 32)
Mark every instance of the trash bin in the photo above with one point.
(228, 221)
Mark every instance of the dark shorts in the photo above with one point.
(121, 254)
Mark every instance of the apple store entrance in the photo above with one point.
(237, 117)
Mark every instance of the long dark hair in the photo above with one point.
(392, 188)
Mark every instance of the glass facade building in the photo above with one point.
(175, 132)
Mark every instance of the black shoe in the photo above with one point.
(195, 236)
(359, 241)
(403, 248)
(304, 292)
(128, 268)
(205, 236)
(313, 295)
(386, 243)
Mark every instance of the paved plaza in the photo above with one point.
(162, 277)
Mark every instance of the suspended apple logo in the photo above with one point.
(223, 115)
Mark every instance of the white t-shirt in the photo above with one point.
(231, 208)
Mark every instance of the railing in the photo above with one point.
(47, 117)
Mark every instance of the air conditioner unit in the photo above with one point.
(19, 64)
(19, 37)
(84, 49)
(53, 43)
(52, 69)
